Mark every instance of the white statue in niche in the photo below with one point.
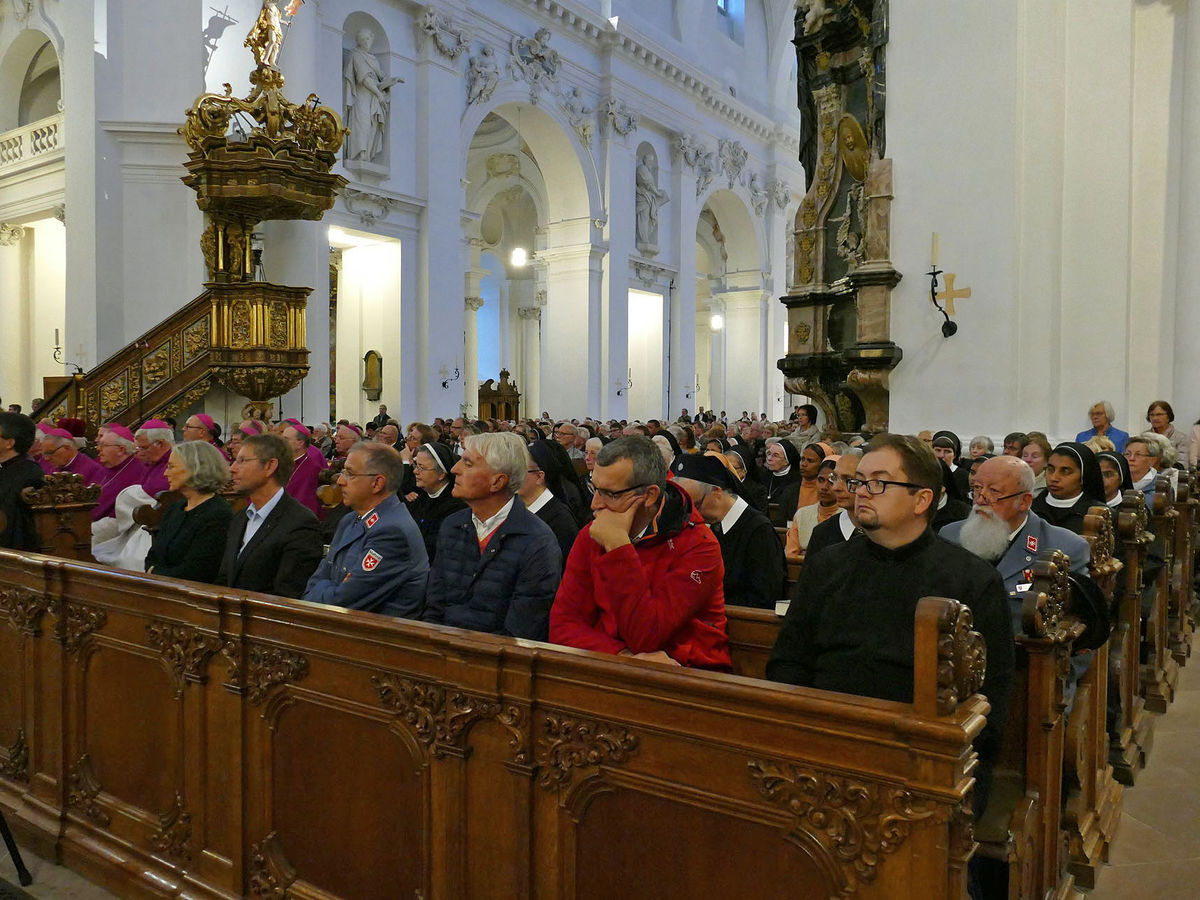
(367, 99)
(648, 202)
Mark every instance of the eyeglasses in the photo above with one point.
(563, 433)
(421, 468)
(617, 495)
(242, 460)
(878, 485)
(350, 474)
(989, 495)
(531, 471)
(1133, 454)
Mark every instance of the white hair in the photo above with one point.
(1108, 409)
(154, 435)
(982, 440)
(1160, 448)
(124, 443)
(505, 453)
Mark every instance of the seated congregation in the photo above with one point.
(658, 541)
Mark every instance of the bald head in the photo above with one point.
(1004, 484)
(1011, 468)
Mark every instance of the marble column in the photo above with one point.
(14, 365)
(470, 367)
(531, 341)
(682, 296)
(1184, 392)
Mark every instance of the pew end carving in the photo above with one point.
(62, 515)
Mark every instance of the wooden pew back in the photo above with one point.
(169, 737)
(1160, 673)
(1132, 733)
(1179, 622)
(62, 514)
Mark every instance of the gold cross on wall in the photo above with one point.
(949, 295)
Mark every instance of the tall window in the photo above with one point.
(723, 7)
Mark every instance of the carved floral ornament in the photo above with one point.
(854, 822)
(23, 608)
(16, 767)
(620, 118)
(449, 38)
(185, 650)
(695, 156)
(962, 658)
(733, 156)
(533, 61)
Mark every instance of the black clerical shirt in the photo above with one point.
(17, 531)
(849, 627)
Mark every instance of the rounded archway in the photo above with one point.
(30, 80)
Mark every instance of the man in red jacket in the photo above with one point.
(644, 578)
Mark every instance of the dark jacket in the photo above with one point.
(506, 590)
(558, 516)
(190, 543)
(17, 531)
(429, 513)
(281, 556)
(755, 570)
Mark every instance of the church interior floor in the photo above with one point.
(1156, 854)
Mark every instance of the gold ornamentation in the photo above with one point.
(277, 337)
(156, 367)
(114, 397)
(270, 873)
(854, 822)
(260, 383)
(185, 650)
(84, 788)
(572, 743)
(1098, 532)
(802, 332)
(962, 657)
(195, 340)
(241, 315)
(174, 835)
(197, 391)
(62, 489)
(24, 608)
(75, 622)
(16, 767)
(267, 667)
(437, 718)
(208, 248)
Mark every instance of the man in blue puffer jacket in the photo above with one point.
(497, 565)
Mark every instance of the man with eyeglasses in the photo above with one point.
(276, 544)
(849, 626)
(1005, 531)
(644, 577)
(566, 433)
(376, 560)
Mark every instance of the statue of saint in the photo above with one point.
(648, 201)
(366, 99)
(266, 37)
(482, 77)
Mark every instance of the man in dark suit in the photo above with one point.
(753, 554)
(17, 472)
(383, 418)
(276, 545)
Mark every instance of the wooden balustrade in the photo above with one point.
(1179, 621)
(1132, 732)
(1160, 672)
(165, 737)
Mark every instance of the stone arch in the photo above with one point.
(30, 50)
(572, 189)
(745, 235)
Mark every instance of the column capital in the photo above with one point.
(10, 234)
(530, 312)
(474, 303)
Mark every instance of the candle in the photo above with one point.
(56, 344)
(933, 251)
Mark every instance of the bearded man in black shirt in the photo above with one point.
(850, 624)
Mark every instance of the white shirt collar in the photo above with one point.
(438, 492)
(1012, 535)
(1147, 480)
(487, 526)
(543, 498)
(266, 508)
(846, 524)
(1062, 504)
(735, 512)
(782, 472)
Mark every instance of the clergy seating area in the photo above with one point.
(163, 736)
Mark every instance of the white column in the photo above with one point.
(15, 375)
(621, 169)
(531, 339)
(437, 338)
(470, 367)
(1185, 392)
(685, 210)
(745, 319)
(571, 379)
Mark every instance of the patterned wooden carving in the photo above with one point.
(242, 325)
(195, 340)
(573, 743)
(1044, 605)
(270, 873)
(16, 767)
(174, 835)
(267, 667)
(23, 608)
(962, 658)
(114, 396)
(83, 789)
(185, 650)
(277, 336)
(234, 677)
(61, 489)
(436, 716)
(855, 822)
(156, 367)
(75, 622)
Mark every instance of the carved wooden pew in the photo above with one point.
(62, 515)
(1021, 826)
(1132, 734)
(1160, 672)
(1179, 620)
(1093, 797)
(171, 738)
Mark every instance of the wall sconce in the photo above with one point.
(519, 257)
(625, 385)
(716, 321)
(448, 379)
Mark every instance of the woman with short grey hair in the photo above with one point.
(190, 540)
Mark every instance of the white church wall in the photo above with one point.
(368, 318)
(46, 293)
(1186, 325)
(646, 397)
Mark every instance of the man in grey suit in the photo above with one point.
(276, 544)
(1004, 530)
